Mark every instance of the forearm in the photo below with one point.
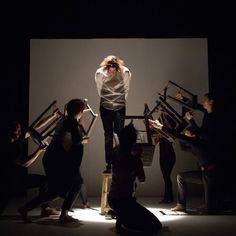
(30, 159)
(45, 121)
(177, 135)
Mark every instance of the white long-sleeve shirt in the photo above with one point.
(113, 88)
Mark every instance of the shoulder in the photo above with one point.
(70, 122)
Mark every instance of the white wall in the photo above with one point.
(62, 69)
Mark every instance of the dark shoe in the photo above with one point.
(112, 214)
(67, 219)
(48, 212)
(23, 214)
(86, 205)
(166, 201)
(119, 228)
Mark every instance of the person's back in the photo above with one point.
(126, 167)
(124, 172)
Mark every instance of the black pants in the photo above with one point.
(83, 194)
(54, 193)
(212, 187)
(27, 182)
(210, 182)
(167, 161)
(112, 123)
(193, 177)
(134, 216)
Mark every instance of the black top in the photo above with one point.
(204, 145)
(11, 152)
(63, 157)
(125, 169)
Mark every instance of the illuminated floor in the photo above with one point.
(92, 223)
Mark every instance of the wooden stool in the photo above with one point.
(106, 177)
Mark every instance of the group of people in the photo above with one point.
(113, 82)
(202, 142)
(63, 156)
(61, 162)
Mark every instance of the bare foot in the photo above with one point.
(178, 207)
(48, 212)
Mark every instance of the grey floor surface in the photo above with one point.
(92, 222)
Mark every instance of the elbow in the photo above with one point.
(22, 164)
(26, 165)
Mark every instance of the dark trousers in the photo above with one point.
(213, 195)
(167, 161)
(184, 178)
(112, 123)
(83, 194)
(28, 182)
(210, 182)
(54, 193)
(134, 216)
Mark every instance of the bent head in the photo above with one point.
(128, 136)
(112, 63)
(75, 107)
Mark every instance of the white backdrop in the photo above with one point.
(62, 69)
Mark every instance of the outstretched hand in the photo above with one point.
(179, 95)
(155, 123)
(188, 115)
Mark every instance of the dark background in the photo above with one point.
(120, 19)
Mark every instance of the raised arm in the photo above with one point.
(26, 162)
(47, 119)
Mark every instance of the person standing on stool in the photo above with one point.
(113, 82)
